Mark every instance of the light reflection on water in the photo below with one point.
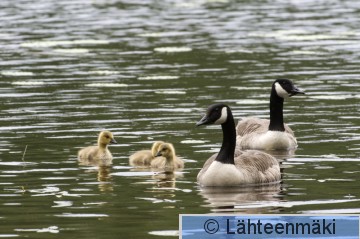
(146, 71)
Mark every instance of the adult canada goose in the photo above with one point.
(100, 154)
(168, 161)
(143, 158)
(273, 134)
(230, 168)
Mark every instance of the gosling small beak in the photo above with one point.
(204, 120)
(295, 91)
(113, 141)
(158, 154)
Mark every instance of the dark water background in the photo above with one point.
(146, 70)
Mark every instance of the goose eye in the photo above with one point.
(107, 136)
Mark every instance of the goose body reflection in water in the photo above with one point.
(249, 167)
(273, 134)
(226, 199)
(99, 154)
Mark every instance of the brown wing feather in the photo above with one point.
(255, 125)
(248, 158)
(252, 125)
(259, 164)
(255, 159)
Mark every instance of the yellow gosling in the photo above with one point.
(143, 158)
(168, 161)
(100, 154)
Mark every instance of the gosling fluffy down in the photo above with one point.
(143, 158)
(100, 154)
(168, 161)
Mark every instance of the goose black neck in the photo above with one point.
(276, 112)
(226, 154)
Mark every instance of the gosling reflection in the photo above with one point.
(164, 188)
(251, 200)
(103, 176)
(161, 186)
(166, 179)
(160, 178)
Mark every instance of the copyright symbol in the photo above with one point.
(211, 226)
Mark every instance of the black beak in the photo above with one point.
(158, 154)
(204, 120)
(296, 91)
(113, 141)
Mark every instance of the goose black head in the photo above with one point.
(284, 88)
(215, 114)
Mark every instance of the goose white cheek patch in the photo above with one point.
(223, 116)
(280, 91)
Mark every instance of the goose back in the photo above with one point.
(254, 133)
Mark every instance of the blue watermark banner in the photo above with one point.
(269, 226)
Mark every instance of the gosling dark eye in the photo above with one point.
(107, 136)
